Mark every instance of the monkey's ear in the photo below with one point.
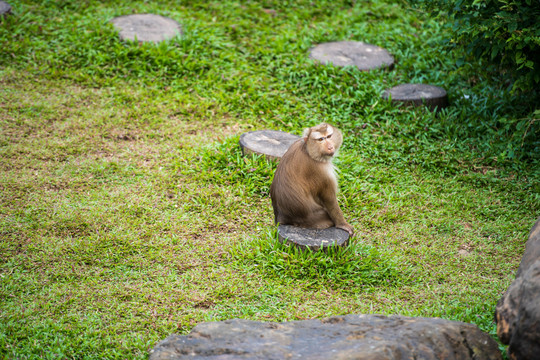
(306, 133)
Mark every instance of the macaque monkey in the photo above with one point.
(304, 188)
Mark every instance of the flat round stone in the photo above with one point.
(432, 96)
(313, 239)
(5, 8)
(271, 143)
(352, 53)
(146, 27)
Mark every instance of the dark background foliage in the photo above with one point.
(503, 33)
(504, 36)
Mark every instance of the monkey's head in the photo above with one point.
(322, 142)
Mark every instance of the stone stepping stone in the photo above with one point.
(432, 96)
(271, 143)
(313, 239)
(146, 27)
(352, 53)
(5, 8)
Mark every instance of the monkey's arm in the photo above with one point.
(329, 200)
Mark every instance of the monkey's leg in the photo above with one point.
(317, 219)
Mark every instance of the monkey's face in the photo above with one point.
(324, 142)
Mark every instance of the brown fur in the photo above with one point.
(304, 188)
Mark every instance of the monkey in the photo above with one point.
(304, 189)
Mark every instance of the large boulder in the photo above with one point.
(518, 311)
(342, 337)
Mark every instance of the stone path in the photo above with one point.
(5, 8)
(146, 27)
(352, 53)
(271, 143)
(313, 239)
(433, 97)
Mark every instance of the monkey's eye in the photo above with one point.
(320, 139)
(329, 136)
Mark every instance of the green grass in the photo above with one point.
(348, 268)
(127, 211)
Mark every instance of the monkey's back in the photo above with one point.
(295, 190)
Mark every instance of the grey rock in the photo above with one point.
(518, 311)
(342, 337)
(313, 239)
(5, 8)
(271, 143)
(352, 53)
(432, 96)
(146, 27)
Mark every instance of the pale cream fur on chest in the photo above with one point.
(331, 172)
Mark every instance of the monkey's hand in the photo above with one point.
(347, 228)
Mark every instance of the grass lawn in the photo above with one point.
(127, 211)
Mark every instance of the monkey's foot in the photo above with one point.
(313, 239)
